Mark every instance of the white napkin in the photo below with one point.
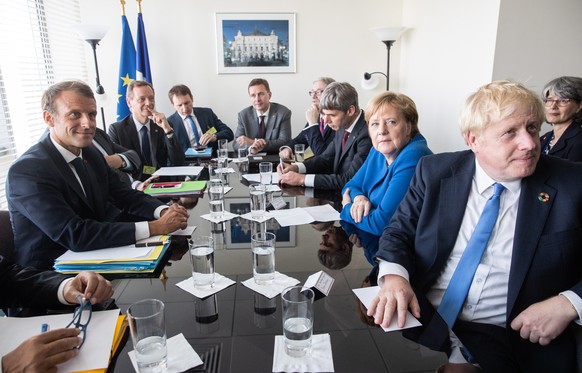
(280, 282)
(272, 188)
(226, 215)
(220, 283)
(319, 359)
(225, 188)
(225, 170)
(248, 216)
(181, 356)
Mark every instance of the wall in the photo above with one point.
(333, 39)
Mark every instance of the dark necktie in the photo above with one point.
(321, 126)
(84, 177)
(345, 139)
(145, 147)
(262, 131)
(458, 288)
(194, 129)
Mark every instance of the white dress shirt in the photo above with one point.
(188, 128)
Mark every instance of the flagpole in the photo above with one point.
(138, 6)
(122, 7)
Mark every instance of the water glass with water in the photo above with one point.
(147, 326)
(258, 200)
(215, 190)
(222, 144)
(223, 157)
(299, 152)
(214, 170)
(297, 309)
(266, 172)
(202, 259)
(263, 249)
(243, 154)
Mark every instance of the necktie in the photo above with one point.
(321, 126)
(145, 147)
(194, 129)
(458, 288)
(345, 139)
(84, 177)
(262, 131)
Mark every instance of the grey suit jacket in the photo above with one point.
(278, 127)
(334, 167)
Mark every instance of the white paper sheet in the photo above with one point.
(95, 352)
(178, 171)
(256, 178)
(121, 252)
(366, 295)
(287, 217)
(323, 213)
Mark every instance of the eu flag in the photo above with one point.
(126, 68)
(143, 71)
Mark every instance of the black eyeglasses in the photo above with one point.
(560, 101)
(81, 317)
(316, 93)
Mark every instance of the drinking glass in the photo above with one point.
(263, 248)
(243, 154)
(214, 170)
(202, 259)
(258, 200)
(297, 308)
(148, 333)
(299, 152)
(266, 172)
(222, 144)
(223, 157)
(215, 190)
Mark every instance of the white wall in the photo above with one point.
(333, 39)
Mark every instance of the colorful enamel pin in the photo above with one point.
(544, 197)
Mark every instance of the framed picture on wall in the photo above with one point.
(253, 43)
(238, 234)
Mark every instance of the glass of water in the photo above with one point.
(297, 308)
(222, 144)
(263, 248)
(148, 332)
(214, 169)
(202, 259)
(258, 200)
(243, 154)
(266, 172)
(215, 191)
(299, 152)
(223, 158)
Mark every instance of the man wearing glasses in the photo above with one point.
(33, 288)
(316, 135)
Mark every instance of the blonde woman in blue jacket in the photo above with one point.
(372, 195)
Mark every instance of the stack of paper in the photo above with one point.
(176, 189)
(142, 258)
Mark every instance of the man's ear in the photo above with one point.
(351, 110)
(471, 140)
(49, 119)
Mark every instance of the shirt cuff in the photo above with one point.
(387, 268)
(576, 303)
(158, 211)
(309, 181)
(128, 164)
(300, 167)
(285, 146)
(142, 230)
(61, 291)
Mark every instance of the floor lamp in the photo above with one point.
(93, 34)
(387, 35)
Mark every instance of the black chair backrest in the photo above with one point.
(6, 235)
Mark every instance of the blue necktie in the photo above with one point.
(458, 288)
(194, 129)
(79, 166)
(145, 147)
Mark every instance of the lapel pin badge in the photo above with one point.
(543, 197)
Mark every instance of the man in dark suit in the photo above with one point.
(124, 162)
(265, 126)
(524, 291)
(208, 128)
(62, 194)
(316, 135)
(29, 287)
(145, 125)
(350, 147)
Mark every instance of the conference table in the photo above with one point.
(234, 330)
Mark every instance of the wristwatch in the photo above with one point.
(123, 162)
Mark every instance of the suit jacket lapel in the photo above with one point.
(531, 218)
(271, 120)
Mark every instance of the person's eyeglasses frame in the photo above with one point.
(317, 92)
(561, 102)
(77, 321)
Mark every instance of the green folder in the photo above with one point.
(176, 188)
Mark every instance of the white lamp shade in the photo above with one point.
(388, 33)
(90, 32)
(371, 83)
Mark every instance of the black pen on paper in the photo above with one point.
(149, 244)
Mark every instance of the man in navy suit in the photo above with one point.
(316, 135)
(527, 287)
(350, 147)
(145, 125)
(209, 129)
(265, 126)
(63, 195)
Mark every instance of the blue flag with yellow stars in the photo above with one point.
(142, 57)
(126, 68)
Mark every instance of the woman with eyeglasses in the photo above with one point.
(562, 99)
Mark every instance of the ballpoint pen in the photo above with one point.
(149, 244)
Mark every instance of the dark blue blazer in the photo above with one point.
(546, 255)
(569, 145)
(206, 119)
(311, 137)
(166, 151)
(50, 213)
